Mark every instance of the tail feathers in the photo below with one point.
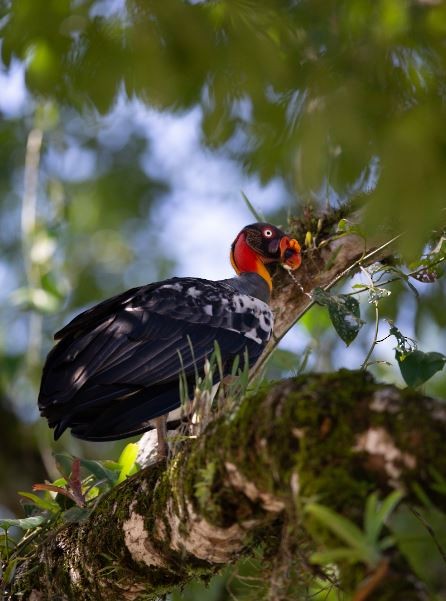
(120, 418)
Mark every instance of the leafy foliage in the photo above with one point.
(344, 313)
(416, 366)
(361, 546)
(421, 537)
(69, 498)
(344, 92)
(101, 477)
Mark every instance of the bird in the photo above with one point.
(116, 367)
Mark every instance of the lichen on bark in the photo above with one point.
(292, 441)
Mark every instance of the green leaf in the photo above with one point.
(371, 523)
(421, 539)
(349, 227)
(7, 545)
(334, 555)
(111, 465)
(389, 504)
(127, 461)
(23, 523)
(345, 530)
(377, 513)
(344, 313)
(75, 515)
(10, 571)
(342, 527)
(387, 542)
(64, 464)
(439, 481)
(44, 504)
(62, 482)
(417, 367)
(99, 470)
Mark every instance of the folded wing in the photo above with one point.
(117, 365)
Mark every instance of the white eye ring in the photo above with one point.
(268, 233)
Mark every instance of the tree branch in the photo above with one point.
(333, 438)
(323, 266)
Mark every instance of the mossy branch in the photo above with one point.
(331, 438)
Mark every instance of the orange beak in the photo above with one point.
(290, 256)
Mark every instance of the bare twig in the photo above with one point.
(431, 531)
(367, 588)
(28, 226)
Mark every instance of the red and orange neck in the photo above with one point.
(245, 260)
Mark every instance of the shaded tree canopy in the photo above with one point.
(326, 96)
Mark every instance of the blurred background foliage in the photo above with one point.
(122, 122)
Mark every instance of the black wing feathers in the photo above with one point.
(117, 365)
(90, 318)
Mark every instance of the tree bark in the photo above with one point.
(334, 438)
(324, 264)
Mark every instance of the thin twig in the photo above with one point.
(371, 583)
(431, 531)
(364, 257)
(411, 274)
(29, 202)
(375, 336)
(276, 339)
(28, 226)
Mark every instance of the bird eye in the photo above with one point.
(268, 233)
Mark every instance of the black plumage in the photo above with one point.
(116, 366)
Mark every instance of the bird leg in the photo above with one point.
(161, 430)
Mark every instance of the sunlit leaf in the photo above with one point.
(127, 461)
(346, 226)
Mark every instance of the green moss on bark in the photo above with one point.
(292, 441)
